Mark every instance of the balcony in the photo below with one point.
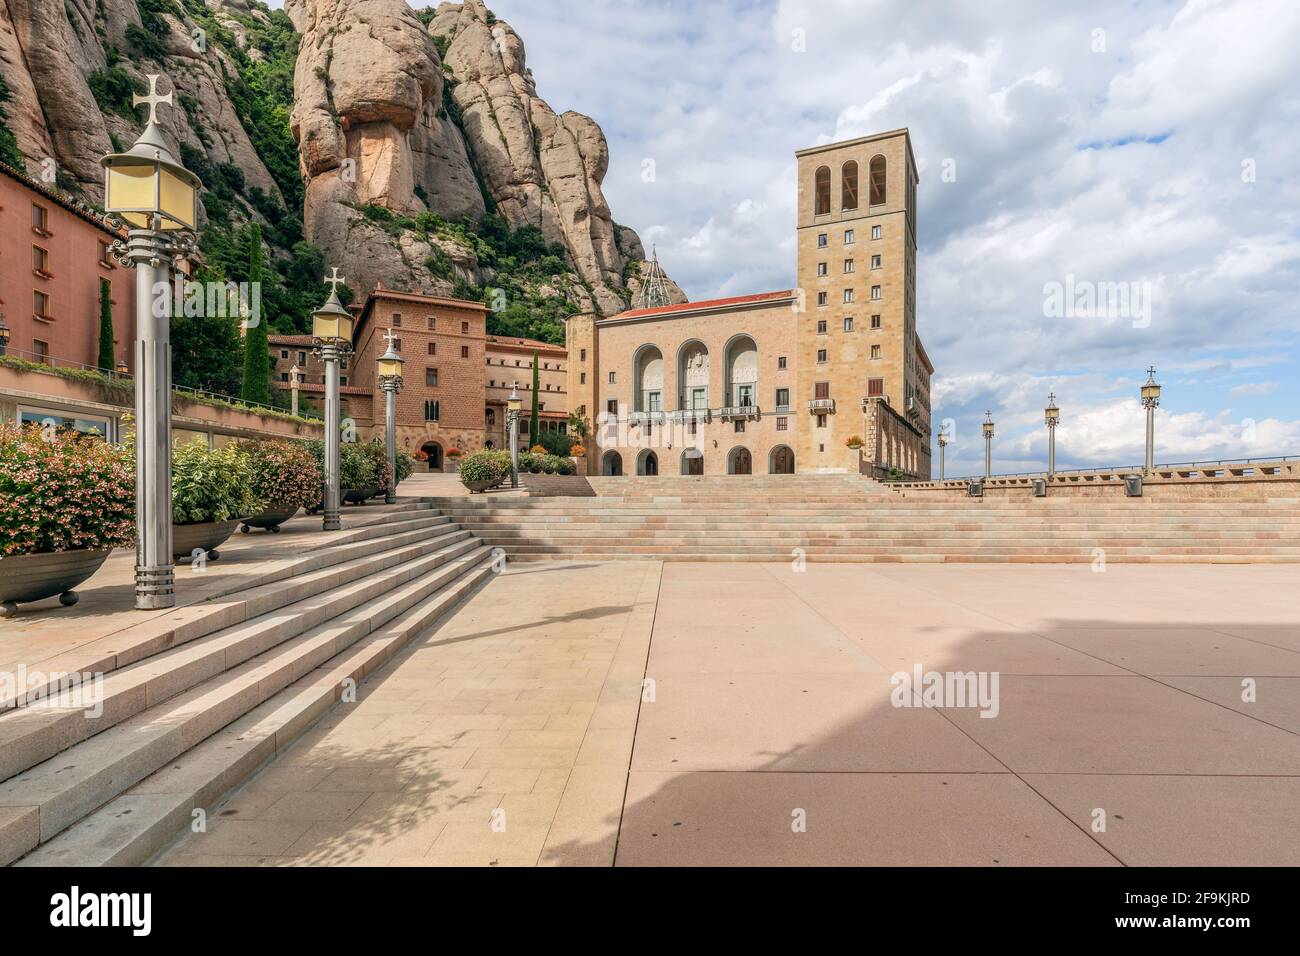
(690, 414)
(646, 418)
(741, 412)
(822, 406)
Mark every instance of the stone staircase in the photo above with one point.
(194, 702)
(847, 518)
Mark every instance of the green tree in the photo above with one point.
(257, 351)
(533, 424)
(107, 360)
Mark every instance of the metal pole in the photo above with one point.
(942, 446)
(390, 438)
(988, 455)
(514, 449)
(1151, 437)
(1051, 450)
(154, 570)
(330, 354)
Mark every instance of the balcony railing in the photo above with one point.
(821, 406)
(732, 412)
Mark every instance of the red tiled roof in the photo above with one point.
(289, 339)
(706, 304)
(524, 343)
(67, 202)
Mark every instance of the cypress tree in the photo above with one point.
(533, 428)
(257, 350)
(107, 360)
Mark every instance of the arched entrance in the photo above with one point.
(692, 462)
(647, 463)
(434, 451)
(740, 462)
(781, 461)
(611, 463)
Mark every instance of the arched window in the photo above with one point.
(822, 191)
(877, 180)
(849, 185)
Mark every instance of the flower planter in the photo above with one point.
(270, 519)
(356, 496)
(205, 536)
(478, 487)
(33, 577)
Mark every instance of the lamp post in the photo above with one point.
(513, 406)
(988, 443)
(1051, 415)
(1151, 401)
(390, 380)
(293, 389)
(4, 334)
(158, 200)
(943, 443)
(120, 369)
(331, 329)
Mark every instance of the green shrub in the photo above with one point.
(359, 465)
(284, 473)
(61, 490)
(483, 465)
(212, 484)
(555, 443)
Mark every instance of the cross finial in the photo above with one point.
(153, 99)
(1151, 374)
(1051, 398)
(334, 278)
(388, 336)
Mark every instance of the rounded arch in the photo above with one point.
(693, 461)
(611, 463)
(693, 375)
(647, 379)
(647, 462)
(822, 191)
(740, 461)
(878, 182)
(740, 359)
(434, 451)
(780, 461)
(849, 185)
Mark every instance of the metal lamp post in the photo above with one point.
(514, 404)
(390, 380)
(331, 329)
(988, 443)
(1051, 415)
(158, 199)
(293, 390)
(943, 443)
(1151, 401)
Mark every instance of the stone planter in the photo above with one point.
(205, 535)
(355, 496)
(478, 487)
(33, 577)
(270, 519)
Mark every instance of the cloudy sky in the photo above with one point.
(1140, 142)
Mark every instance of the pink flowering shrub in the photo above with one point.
(285, 473)
(61, 490)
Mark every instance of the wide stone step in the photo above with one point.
(248, 595)
(139, 822)
(64, 789)
(40, 730)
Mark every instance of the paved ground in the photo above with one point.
(767, 734)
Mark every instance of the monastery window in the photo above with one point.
(284, 353)
(41, 261)
(738, 425)
(582, 353)
(848, 323)
(875, 293)
(464, 328)
(821, 240)
(821, 298)
(782, 423)
(397, 345)
(433, 348)
(582, 378)
(42, 350)
(877, 180)
(821, 390)
(821, 326)
(780, 362)
(822, 191)
(431, 377)
(464, 351)
(875, 232)
(41, 304)
(611, 406)
(875, 321)
(821, 356)
(433, 323)
(430, 410)
(875, 262)
(848, 237)
(849, 185)
(397, 320)
(821, 268)
(848, 266)
(40, 219)
(821, 423)
(848, 295)
(302, 358)
(611, 378)
(782, 398)
(875, 387)
(104, 256)
(875, 352)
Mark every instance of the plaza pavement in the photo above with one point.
(765, 733)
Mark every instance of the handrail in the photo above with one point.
(1173, 466)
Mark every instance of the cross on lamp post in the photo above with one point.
(157, 198)
(331, 327)
(988, 443)
(390, 380)
(1051, 415)
(1151, 401)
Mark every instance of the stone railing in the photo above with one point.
(1244, 478)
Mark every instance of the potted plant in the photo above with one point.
(212, 489)
(367, 474)
(421, 459)
(66, 500)
(453, 458)
(482, 470)
(285, 478)
(854, 441)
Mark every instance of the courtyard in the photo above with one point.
(638, 713)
